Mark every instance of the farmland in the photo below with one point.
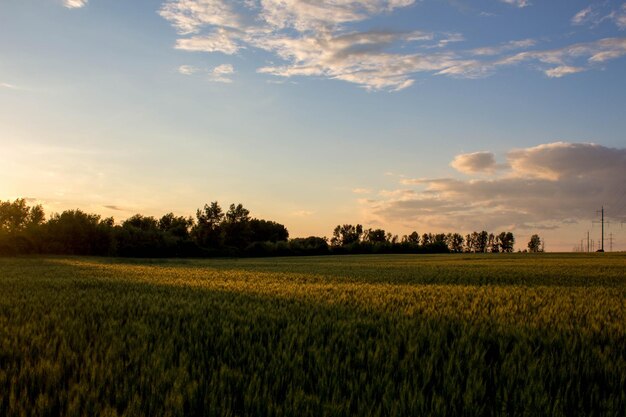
(388, 335)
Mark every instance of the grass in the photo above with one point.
(390, 335)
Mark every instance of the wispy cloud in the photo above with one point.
(507, 46)
(220, 40)
(9, 86)
(569, 59)
(74, 4)
(326, 39)
(517, 3)
(222, 73)
(563, 70)
(189, 69)
(583, 16)
(597, 13)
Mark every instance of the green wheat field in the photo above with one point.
(390, 335)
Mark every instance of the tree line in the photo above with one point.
(213, 231)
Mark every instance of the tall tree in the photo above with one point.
(493, 243)
(17, 215)
(506, 241)
(375, 236)
(177, 226)
(346, 234)
(236, 226)
(455, 242)
(534, 244)
(207, 231)
(482, 240)
(413, 238)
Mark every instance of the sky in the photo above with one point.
(425, 115)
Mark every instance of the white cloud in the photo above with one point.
(517, 3)
(563, 70)
(598, 13)
(8, 86)
(306, 15)
(221, 73)
(582, 16)
(558, 61)
(221, 40)
(322, 39)
(74, 4)
(361, 191)
(188, 69)
(546, 184)
(507, 46)
(475, 162)
(189, 16)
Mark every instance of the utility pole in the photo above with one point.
(601, 211)
(611, 242)
(587, 241)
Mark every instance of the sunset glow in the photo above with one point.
(434, 116)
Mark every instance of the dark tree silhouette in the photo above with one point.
(346, 235)
(534, 244)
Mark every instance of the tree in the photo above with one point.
(506, 241)
(267, 231)
(493, 243)
(482, 239)
(375, 236)
(177, 226)
(470, 242)
(534, 244)
(78, 233)
(455, 242)
(17, 216)
(311, 245)
(236, 226)
(138, 221)
(413, 238)
(439, 239)
(346, 235)
(208, 230)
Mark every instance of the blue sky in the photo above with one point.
(407, 115)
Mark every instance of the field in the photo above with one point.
(392, 335)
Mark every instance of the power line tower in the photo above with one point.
(610, 242)
(601, 211)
